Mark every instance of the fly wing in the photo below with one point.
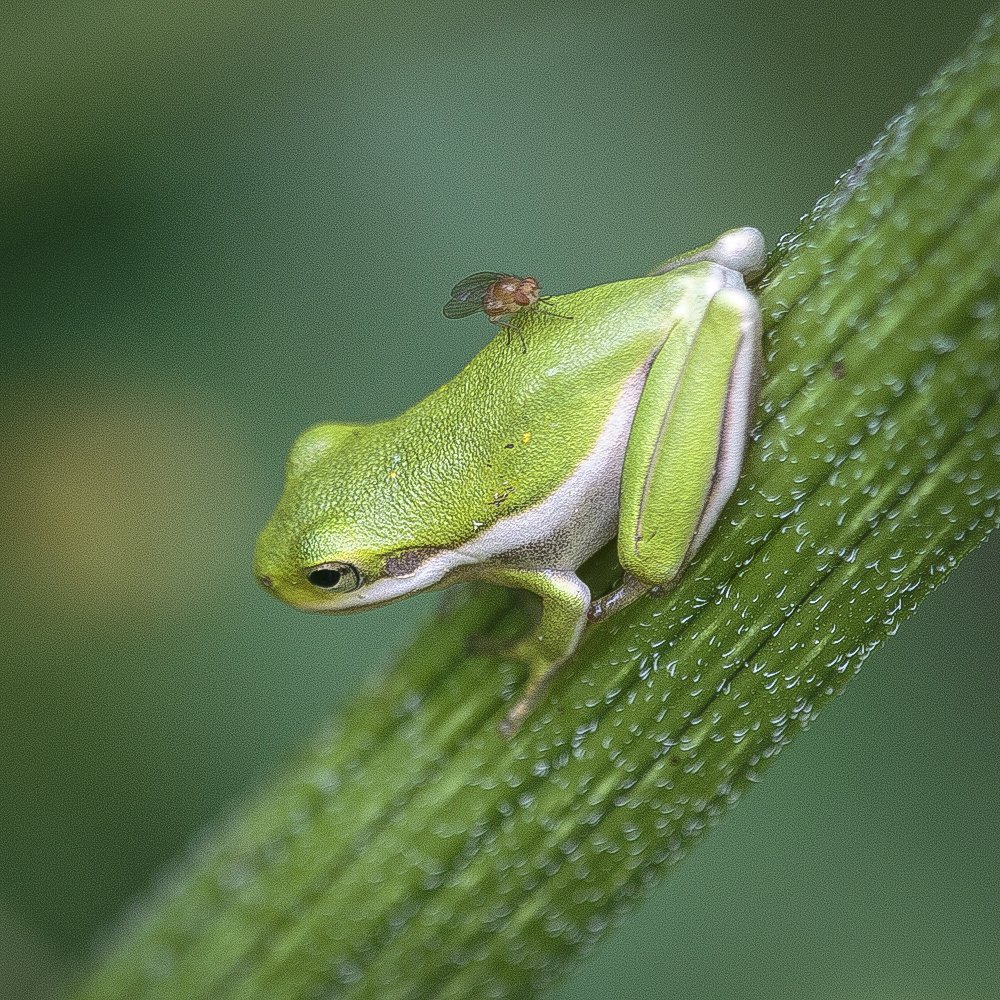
(459, 308)
(475, 285)
(467, 295)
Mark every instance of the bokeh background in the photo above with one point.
(223, 223)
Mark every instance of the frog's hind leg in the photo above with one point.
(565, 599)
(741, 250)
(686, 446)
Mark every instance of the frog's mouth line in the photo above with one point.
(348, 609)
(437, 570)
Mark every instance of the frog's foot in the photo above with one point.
(630, 589)
(542, 671)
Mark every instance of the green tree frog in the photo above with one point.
(628, 420)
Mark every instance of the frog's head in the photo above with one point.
(319, 551)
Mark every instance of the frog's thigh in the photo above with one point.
(688, 438)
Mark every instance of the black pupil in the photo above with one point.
(325, 578)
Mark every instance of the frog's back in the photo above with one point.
(512, 426)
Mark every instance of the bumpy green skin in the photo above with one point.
(627, 414)
(499, 438)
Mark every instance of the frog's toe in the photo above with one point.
(630, 589)
(541, 672)
(742, 250)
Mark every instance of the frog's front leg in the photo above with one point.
(565, 600)
(685, 449)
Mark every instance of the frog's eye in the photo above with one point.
(334, 576)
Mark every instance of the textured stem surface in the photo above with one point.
(412, 853)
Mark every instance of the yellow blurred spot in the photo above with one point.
(393, 473)
(525, 437)
(125, 508)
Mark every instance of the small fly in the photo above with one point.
(500, 296)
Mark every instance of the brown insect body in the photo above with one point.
(509, 295)
(499, 296)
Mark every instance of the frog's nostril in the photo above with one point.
(266, 581)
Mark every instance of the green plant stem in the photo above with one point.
(412, 853)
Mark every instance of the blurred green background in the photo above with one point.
(224, 223)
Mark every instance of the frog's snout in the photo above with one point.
(264, 576)
(266, 568)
